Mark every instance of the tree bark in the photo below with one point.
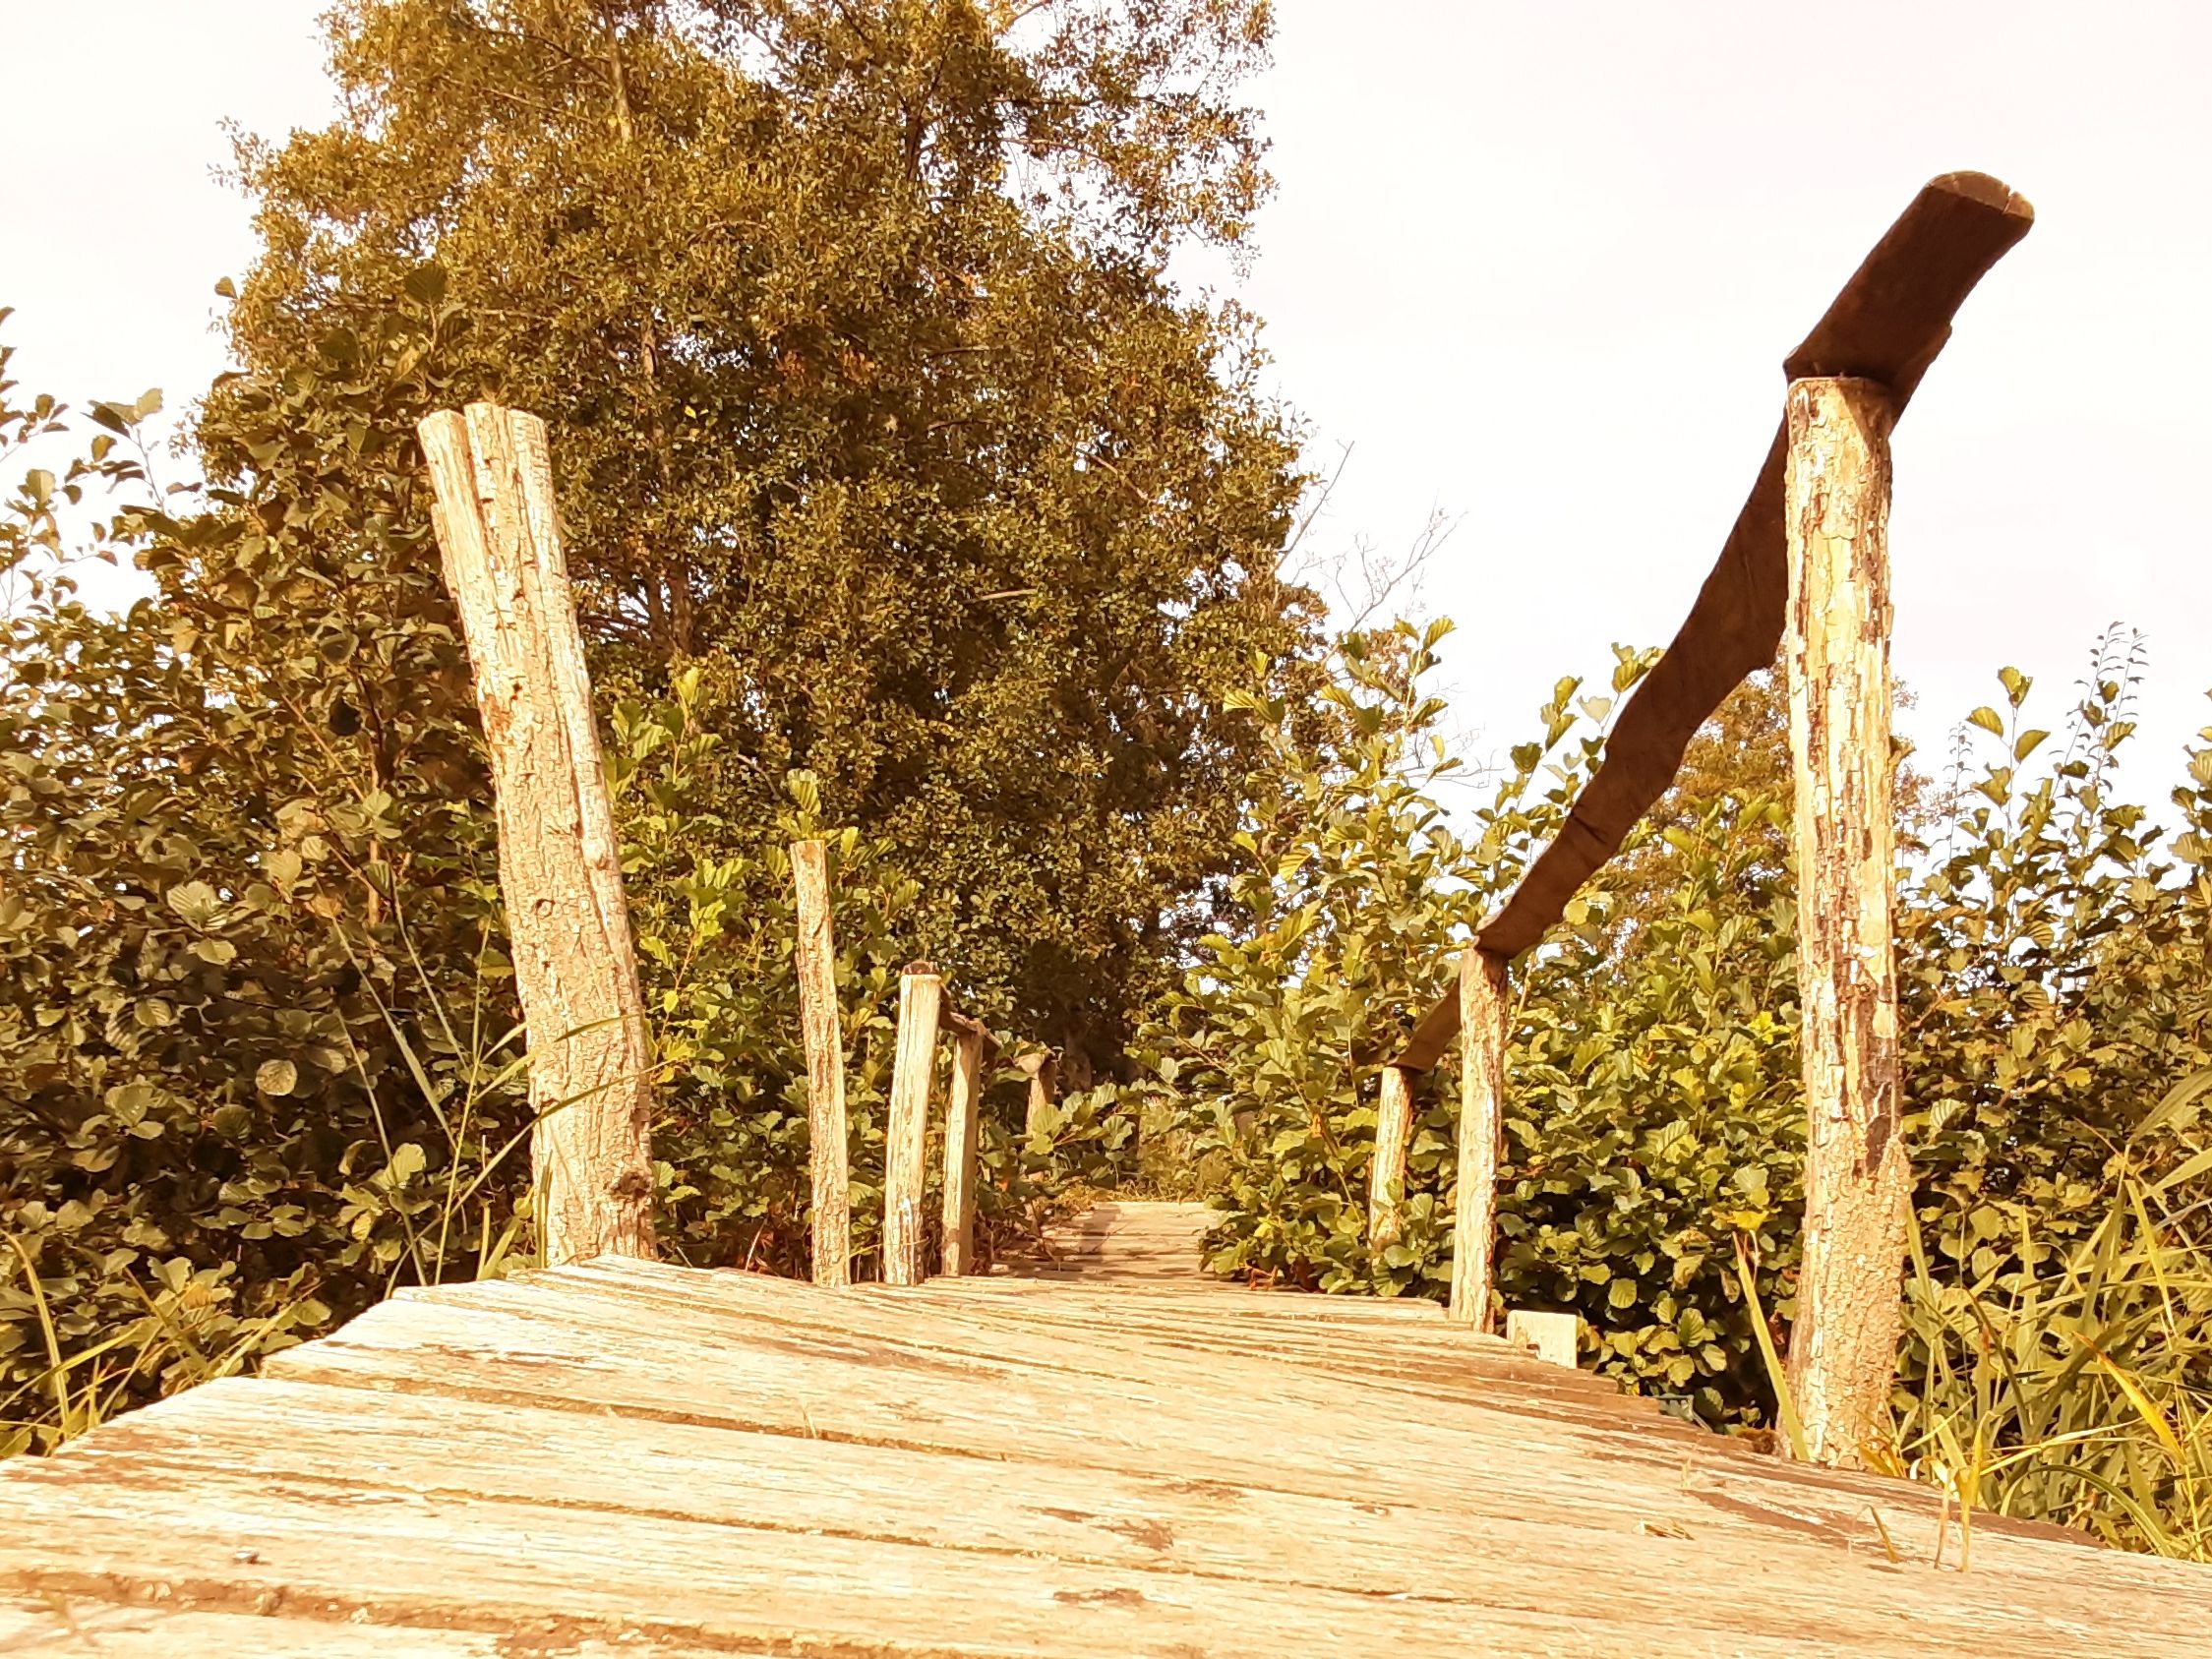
(906, 1145)
(1843, 1343)
(960, 1152)
(591, 1087)
(1386, 1181)
(1482, 1091)
(816, 958)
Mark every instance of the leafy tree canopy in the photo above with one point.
(868, 395)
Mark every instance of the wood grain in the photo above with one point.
(815, 956)
(621, 1456)
(1385, 1177)
(905, 1139)
(1484, 1017)
(560, 867)
(1858, 1178)
(961, 1100)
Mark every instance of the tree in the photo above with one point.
(869, 396)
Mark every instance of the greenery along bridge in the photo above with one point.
(1106, 1453)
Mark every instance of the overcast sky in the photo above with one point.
(1538, 262)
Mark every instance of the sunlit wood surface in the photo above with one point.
(1115, 1456)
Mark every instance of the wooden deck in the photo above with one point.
(1113, 1458)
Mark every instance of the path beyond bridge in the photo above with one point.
(1115, 1456)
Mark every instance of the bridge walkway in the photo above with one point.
(1110, 1456)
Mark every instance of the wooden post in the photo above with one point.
(906, 1140)
(816, 956)
(591, 1084)
(1482, 1090)
(960, 1151)
(1386, 1181)
(1843, 1344)
(1044, 1074)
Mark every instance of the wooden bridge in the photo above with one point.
(1115, 1456)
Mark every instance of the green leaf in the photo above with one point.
(276, 1077)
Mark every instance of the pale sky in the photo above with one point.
(1539, 262)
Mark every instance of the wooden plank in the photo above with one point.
(653, 1579)
(1529, 1389)
(559, 867)
(875, 1391)
(1139, 1350)
(1858, 1179)
(290, 1499)
(906, 1140)
(947, 1341)
(1887, 324)
(815, 956)
(1645, 1442)
(959, 1219)
(882, 1392)
(88, 1624)
(1485, 1008)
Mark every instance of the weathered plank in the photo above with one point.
(288, 1501)
(1552, 1336)
(83, 1625)
(620, 1454)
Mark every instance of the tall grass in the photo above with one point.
(2075, 1383)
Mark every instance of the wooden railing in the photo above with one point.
(1808, 557)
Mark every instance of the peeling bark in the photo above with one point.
(817, 958)
(1482, 1091)
(575, 969)
(1857, 1176)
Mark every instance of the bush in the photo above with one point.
(2055, 972)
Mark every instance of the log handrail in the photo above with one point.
(1888, 323)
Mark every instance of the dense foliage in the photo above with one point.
(869, 393)
(259, 1047)
(912, 507)
(2059, 1324)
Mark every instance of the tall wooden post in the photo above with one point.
(906, 1140)
(1843, 1344)
(816, 957)
(959, 1220)
(1386, 1181)
(591, 1084)
(1482, 1093)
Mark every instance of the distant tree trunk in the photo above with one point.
(559, 869)
(1843, 1344)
